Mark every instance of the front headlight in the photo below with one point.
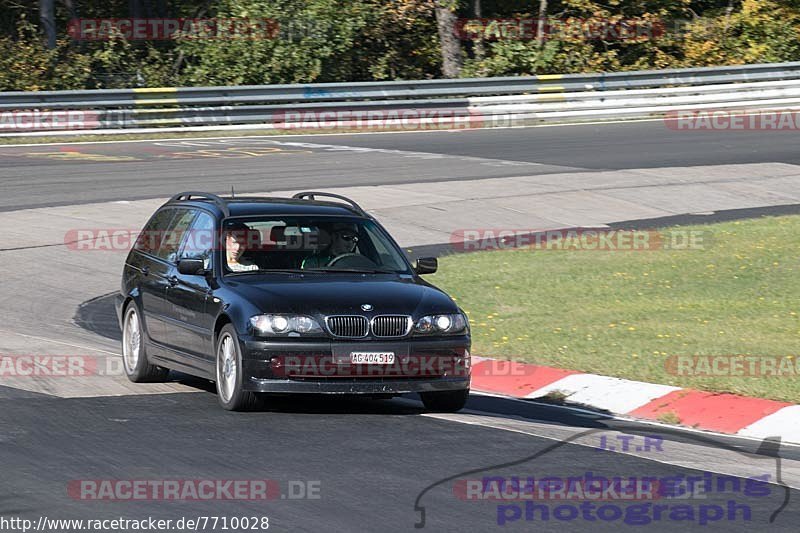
(285, 325)
(446, 324)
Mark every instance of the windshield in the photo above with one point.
(309, 244)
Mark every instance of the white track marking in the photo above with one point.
(614, 394)
(784, 422)
(62, 343)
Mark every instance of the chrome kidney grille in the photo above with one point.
(391, 325)
(356, 326)
(352, 326)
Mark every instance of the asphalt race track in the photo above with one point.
(62, 175)
(352, 464)
(370, 460)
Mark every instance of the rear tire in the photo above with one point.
(445, 401)
(134, 356)
(230, 392)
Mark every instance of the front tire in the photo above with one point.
(230, 392)
(134, 357)
(445, 401)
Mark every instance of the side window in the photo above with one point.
(199, 244)
(175, 234)
(151, 236)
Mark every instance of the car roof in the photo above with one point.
(257, 205)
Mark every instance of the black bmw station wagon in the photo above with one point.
(287, 295)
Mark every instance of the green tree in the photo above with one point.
(571, 45)
(313, 44)
(760, 31)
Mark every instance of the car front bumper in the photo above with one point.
(324, 367)
(357, 386)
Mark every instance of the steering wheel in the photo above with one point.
(352, 260)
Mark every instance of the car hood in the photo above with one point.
(344, 294)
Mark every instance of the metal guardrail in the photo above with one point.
(545, 97)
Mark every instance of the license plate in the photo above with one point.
(372, 358)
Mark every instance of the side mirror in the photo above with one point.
(191, 267)
(427, 265)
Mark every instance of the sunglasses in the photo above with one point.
(348, 237)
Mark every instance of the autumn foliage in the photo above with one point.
(362, 40)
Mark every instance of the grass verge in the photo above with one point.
(624, 313)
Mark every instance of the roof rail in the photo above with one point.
(222, 204)
(311, 194)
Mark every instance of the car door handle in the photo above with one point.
(173, 280)
(145, 271)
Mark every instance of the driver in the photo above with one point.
(344, 239)
(237, 240)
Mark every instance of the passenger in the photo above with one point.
(344, 239)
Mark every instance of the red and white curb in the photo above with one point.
(720, 412)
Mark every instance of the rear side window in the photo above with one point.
(200, 242)
(162, 236)
(175, 234)
(151, 236)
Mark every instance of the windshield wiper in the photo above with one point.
(268, 271)
(356, 270)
